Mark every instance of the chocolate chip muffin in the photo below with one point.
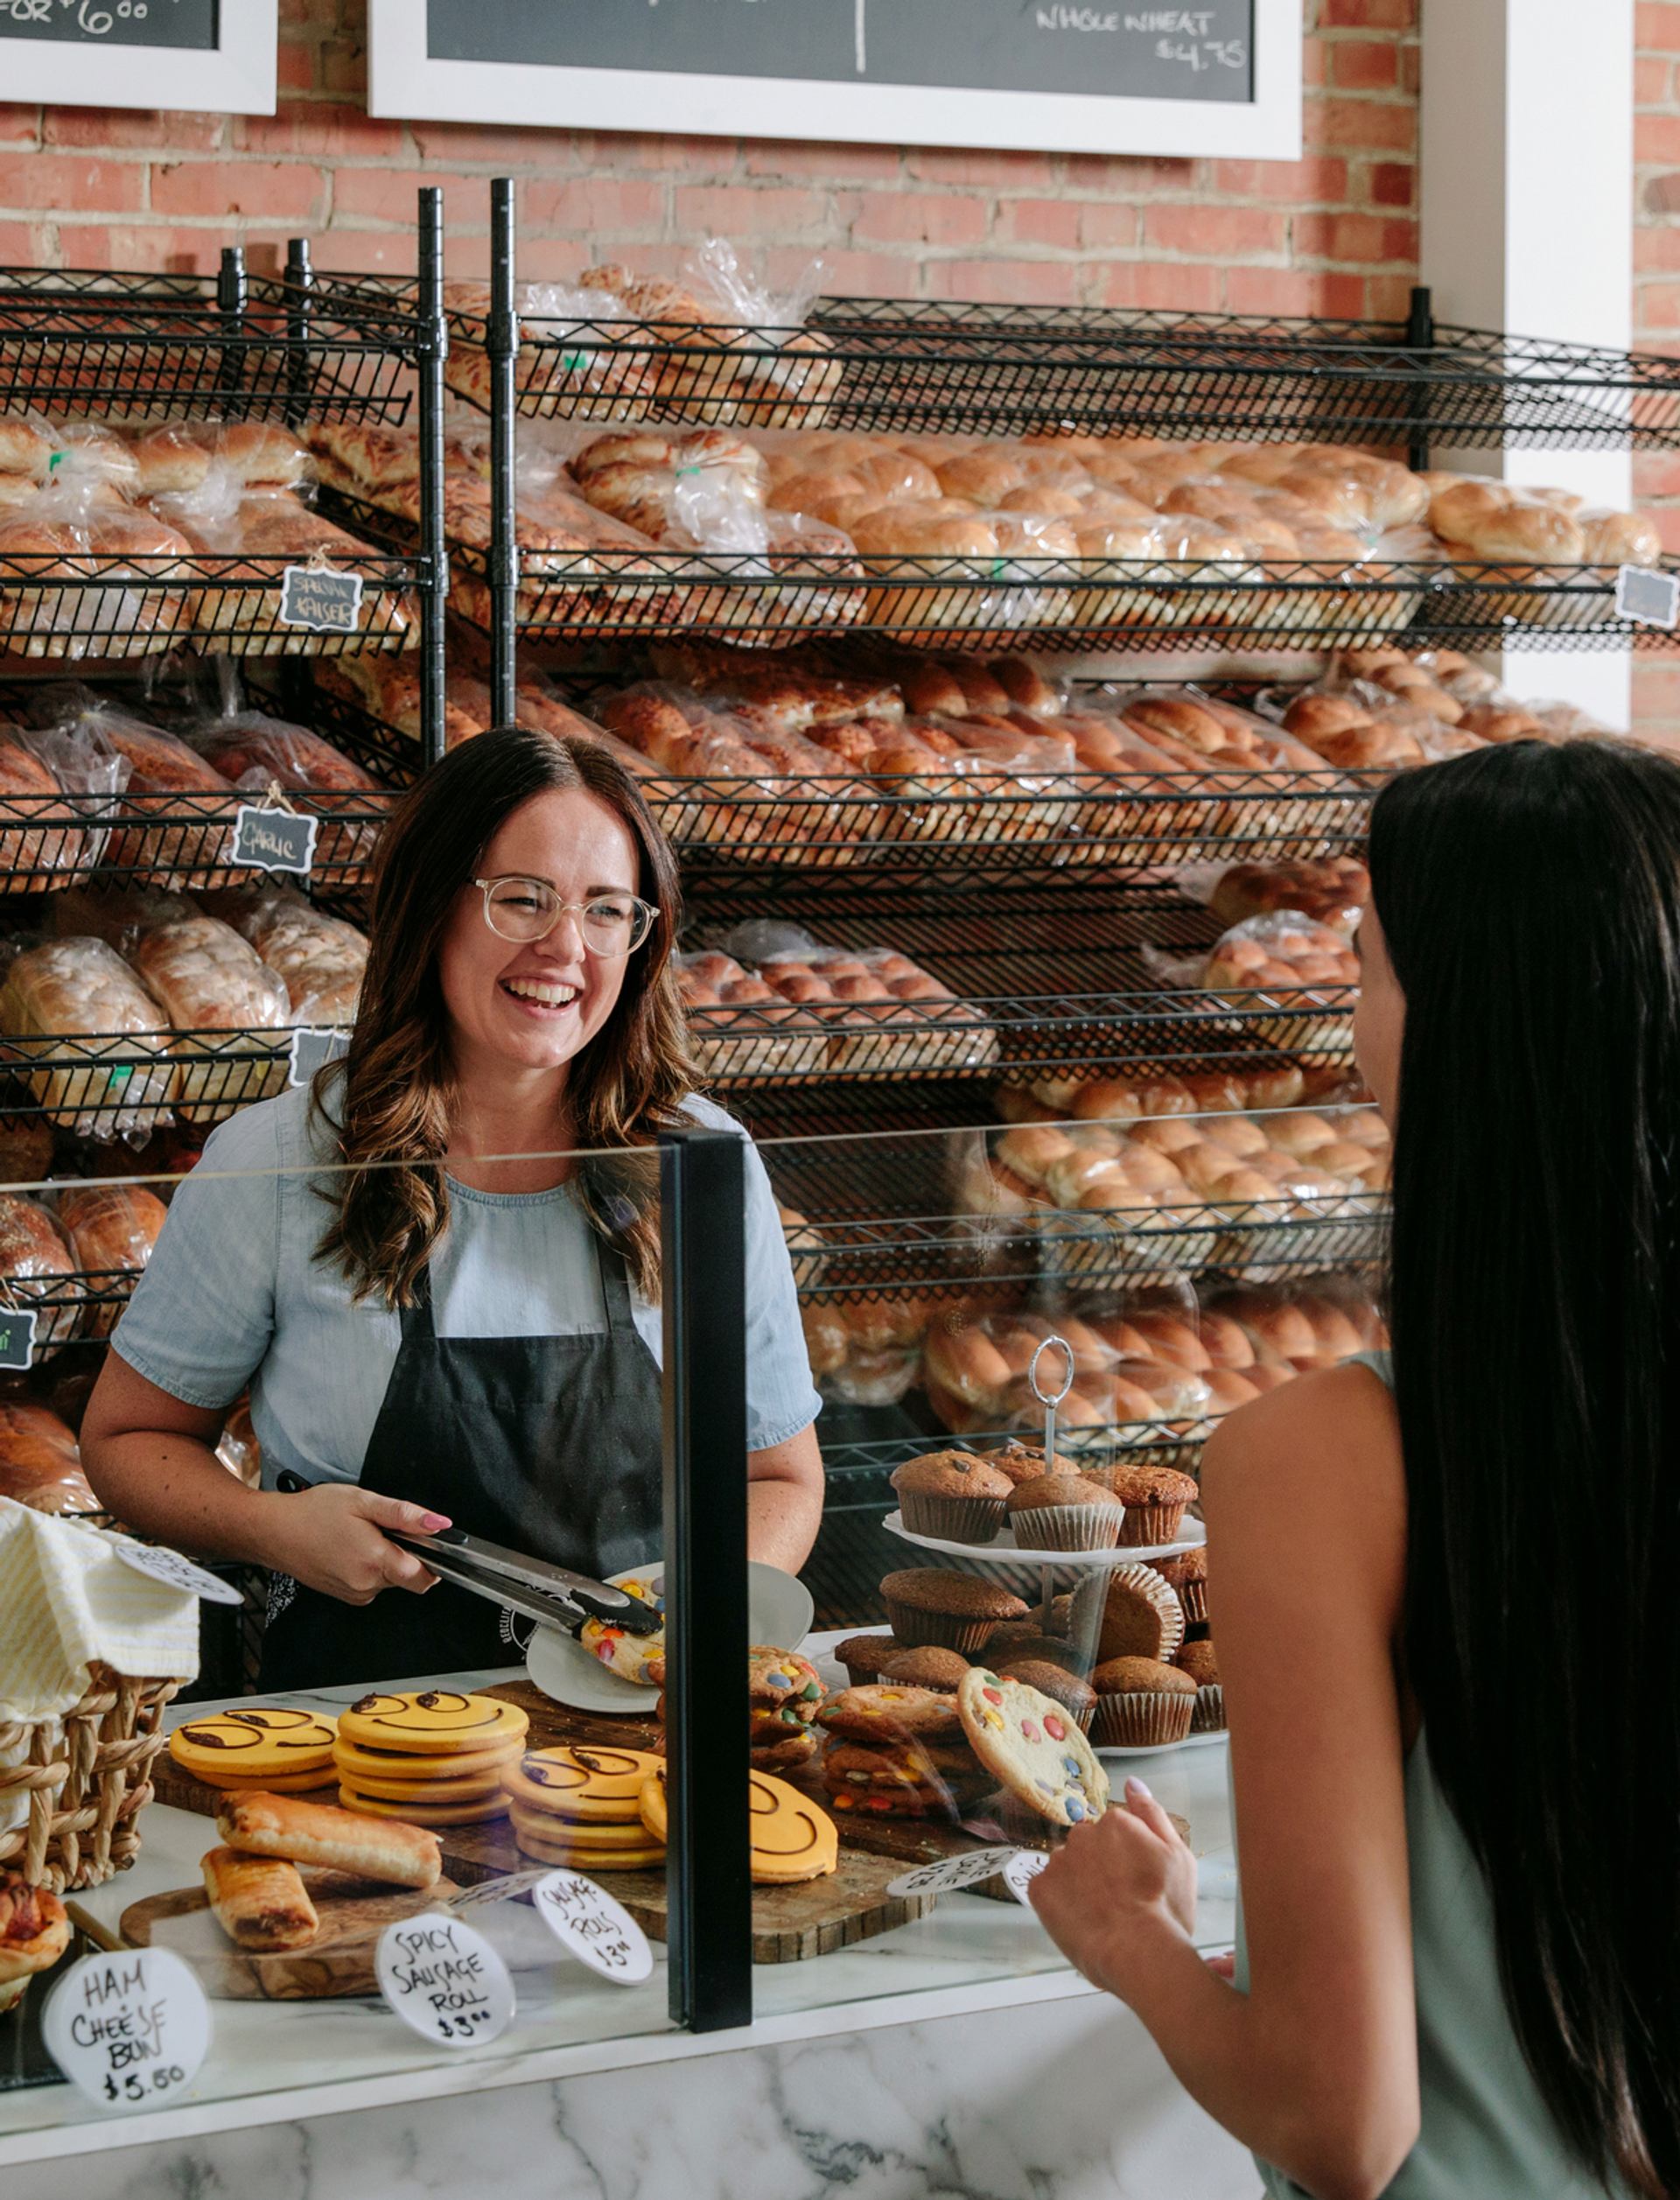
(953, 1495)
(1155, 1498)
(940, 1670)
(1064, 1512)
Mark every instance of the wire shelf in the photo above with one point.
(1059, 605)
(163, 346)
(890, 365)
(81, 1304)
(101, 1084)
(72, 605)
(1043, 984)
(181, 842)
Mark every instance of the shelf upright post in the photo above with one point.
(503, 344)
(300, 281)
(1420, 337)
(431, 350)
(704, 1290)
(233, 297)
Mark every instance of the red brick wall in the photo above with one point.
(1656, 300)
(1334, 233)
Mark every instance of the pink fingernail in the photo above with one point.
(432, 1520)
(1136, 1791)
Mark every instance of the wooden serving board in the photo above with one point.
(339, 1961)
(172, 1783)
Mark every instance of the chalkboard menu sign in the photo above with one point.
(996, 45)
(189, 25)
(214, 55)
(1215, 76)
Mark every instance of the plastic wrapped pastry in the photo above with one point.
(86, 1039)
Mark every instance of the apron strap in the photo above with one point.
(417, 1318)
(615, 1288)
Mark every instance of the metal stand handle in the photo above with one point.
(503, 346)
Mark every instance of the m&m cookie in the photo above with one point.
(881, 1711)
(434, 1722)
(1032, 1747)
(640, 1659)
(266, 1746)
(780, 1680)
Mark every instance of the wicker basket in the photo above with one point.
(87, 1777)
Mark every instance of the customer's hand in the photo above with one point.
(1112, 1879)
(332, 1537)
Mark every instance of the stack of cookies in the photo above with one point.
(783, 1693)
(580, 1805)
(270, 1748)
(433, 1758)
(791, 1838)
(899, 1752)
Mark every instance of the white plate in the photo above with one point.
(1161, 1750)
(1005, 1552)
(779, 1611)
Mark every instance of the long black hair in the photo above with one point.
(1529, 897)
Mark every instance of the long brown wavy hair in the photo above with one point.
(393, 1096)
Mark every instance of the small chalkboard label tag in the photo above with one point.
(160, 1564)
(1650, 597)
(274, 839)
(129, 2031)
(444, 1978)
(589, 1924)
(16, 1338)
(326, 603)
(312, 1050)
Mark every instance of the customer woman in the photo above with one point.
(458, 1319)
(1445, 1592)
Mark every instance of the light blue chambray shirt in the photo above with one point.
(233, 1294)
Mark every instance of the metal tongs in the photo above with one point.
(552, 1596)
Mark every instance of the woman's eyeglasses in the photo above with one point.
(527, 909)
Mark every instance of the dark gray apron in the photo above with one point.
(548, 1444)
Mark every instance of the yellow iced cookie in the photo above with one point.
(437, 1721)
(411, 1765)
(258, 1744)
(587, 1781)
(584, 1840)
(493, 1807)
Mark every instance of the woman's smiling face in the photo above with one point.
(531, 1006)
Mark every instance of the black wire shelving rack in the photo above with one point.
(892, 365)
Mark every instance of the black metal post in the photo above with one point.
(1420, 337)
(503, 346)
(300, 280)
(431, 350)
(233, 296)
(709, 1933)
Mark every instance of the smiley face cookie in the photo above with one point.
(590, 1782)
(261, 1746)
(422, 1812)
(792, 1839)
(639, 1658)
(408, 1766)
(434, 1722)
(1033, 1747)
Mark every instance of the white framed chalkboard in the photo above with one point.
(217, 56)
(1114, 76)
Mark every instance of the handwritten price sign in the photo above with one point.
(130, 2030)
(589, 1924)
(446, 1981)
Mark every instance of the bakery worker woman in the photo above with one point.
(427, 1329)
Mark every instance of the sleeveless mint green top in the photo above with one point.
(1486, 2133)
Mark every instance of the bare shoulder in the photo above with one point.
(1325, 1450)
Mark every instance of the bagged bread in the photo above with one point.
(33, 1259)
(319, 959)
(223, 1004)
(111, 1229)
(86, 1039)
(176, 818)
(39, 1463)
(46, 845)
(258, 753)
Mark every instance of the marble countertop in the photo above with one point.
(276, 2061)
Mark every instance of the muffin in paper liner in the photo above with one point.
(1148, 1525)
(1207, 1713)
(952, 1519)
(1142, 1719)
(1069, 1527)
(917, 1630)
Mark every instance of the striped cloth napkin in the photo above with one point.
(67, 1601)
